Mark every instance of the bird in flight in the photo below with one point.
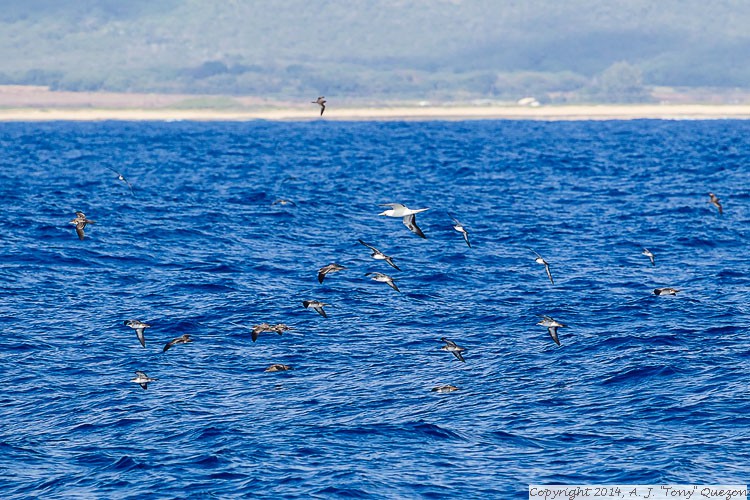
(322, 101)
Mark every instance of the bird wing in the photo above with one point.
(368, 246)
(389, 260)
(553, 333)
(466, 237)
(459, 356)
(169, 345)
(79, 230)
(321, 275)
(141, 337)
(393, 285)
(549, 274)
(321, 311)
(410, 221)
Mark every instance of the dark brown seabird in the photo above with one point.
(714, 200)
(184, 339)
(322, 101)
(80, 222)
(330, 268)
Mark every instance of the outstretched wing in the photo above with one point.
(410, 221)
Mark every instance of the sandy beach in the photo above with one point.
(548, 113)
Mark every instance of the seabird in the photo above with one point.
(552, 326)
(138, 326)
(540, 260)
(451, 347)
(330, 268)
(322, 101)
(666, 291)
(142, 379)
(122, 178)
(179, 340)
(278, 368)
(383, 278)
(378, 255)
(317, 305)
(461, 229)
(445, 388)
(407, 216)
(80, 222)
(648, 254)
(282, 201)
(256, 330)
(715, 202)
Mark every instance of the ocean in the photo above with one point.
(643, 389)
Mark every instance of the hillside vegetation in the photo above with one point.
(579, 50)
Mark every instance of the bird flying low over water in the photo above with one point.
(540, 260)
(256, 330)
(407, 216)
(454, 349)
(184, 339)
(552, 326)
(80, 222)
(378, 255)
(122, 178)
(445, 388)
(142, 379)
(714, 200)
(383, 278)
(322, 102)
(650, 255)
(278, 368)
(138, 326)
(461, 229)
(330, 268)
(316, 305)
(284, 201)
(666, 291)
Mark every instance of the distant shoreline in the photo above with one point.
(394, 113)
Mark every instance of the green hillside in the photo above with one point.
(358, 49)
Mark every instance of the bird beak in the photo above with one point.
(382, 213)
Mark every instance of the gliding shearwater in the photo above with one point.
(715, 202)
(138, 326)
(666, 291)
(80, 222)
(316, 305)
(142, 379)
(278, 368)
(452, 348)
(540, 260)
(330, 268)
(445, 388)
(184, 339)
(122, 178)
(383, 278)
(322, 101)
(461, 229)
(552, 327)
(650, 255)
(378, 255)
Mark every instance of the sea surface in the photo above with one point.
(644, 389)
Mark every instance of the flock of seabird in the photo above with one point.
(396, 210)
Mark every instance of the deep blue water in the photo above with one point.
(643, 390)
